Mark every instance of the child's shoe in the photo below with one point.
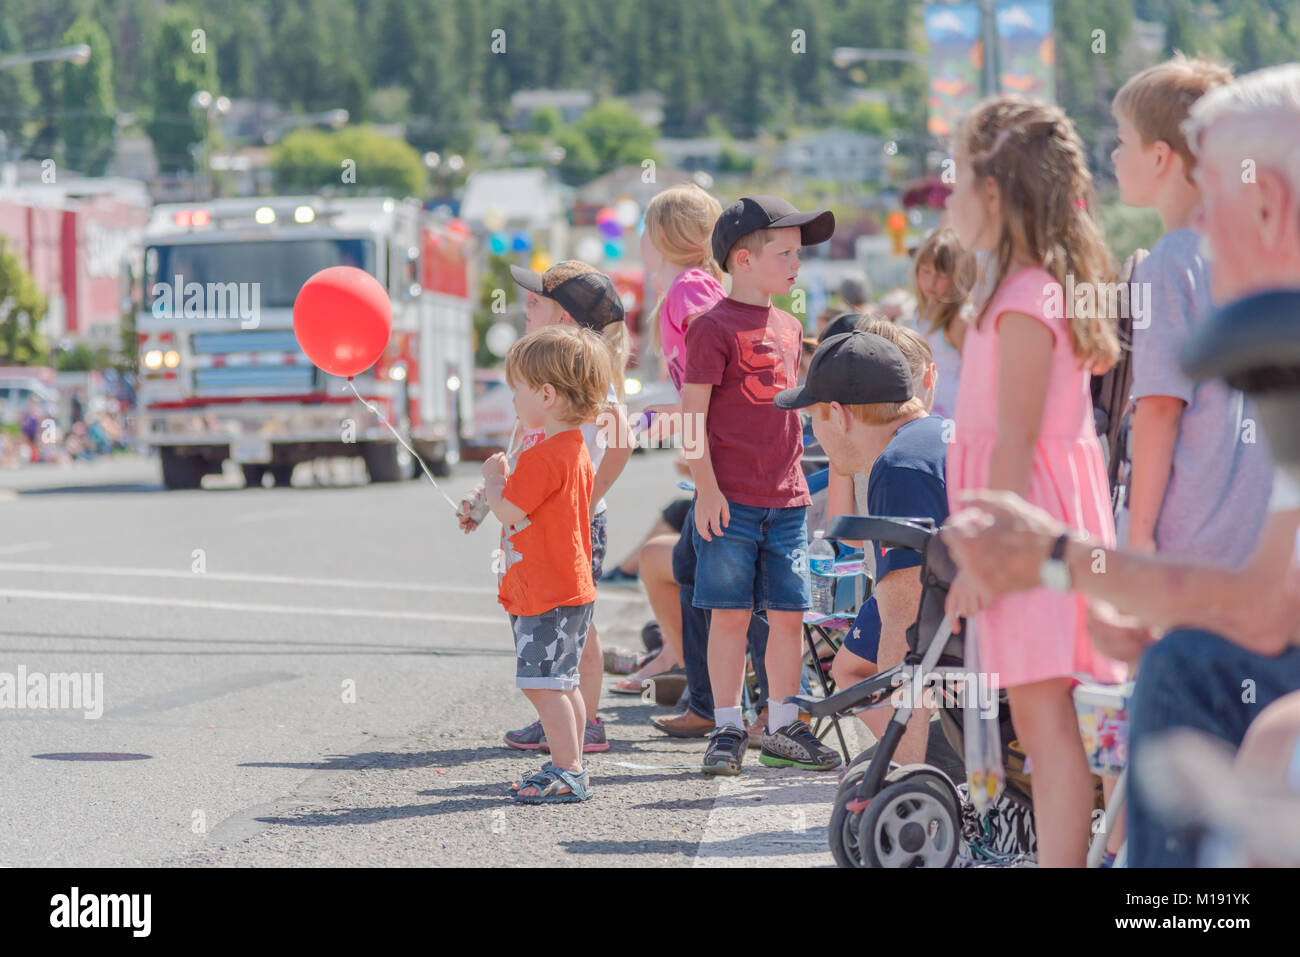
(795, 746)
(593, 738)
(531, 738)
(726, 751)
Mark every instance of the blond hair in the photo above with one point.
(615, 335)
(1034, 154)
(619, 343)
(910, 343)
(679, 221)
(1159, 99)
(944, 251)
(575, 361)
(752, 241)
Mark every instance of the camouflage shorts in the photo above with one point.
(548, 647)
(599, 540)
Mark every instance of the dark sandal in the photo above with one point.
(516, 785)
(548, 783)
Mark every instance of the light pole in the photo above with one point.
(210, 106)
(77, 54)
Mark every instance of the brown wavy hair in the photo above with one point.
(944, 251)
(1034, 154)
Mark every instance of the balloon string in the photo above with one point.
(380, 416)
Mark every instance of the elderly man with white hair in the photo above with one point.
(1216, 646)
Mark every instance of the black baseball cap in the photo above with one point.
(586, 293)
(767, 212)
(844, 322)
(853, 368)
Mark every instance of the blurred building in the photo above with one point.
(834, 155)
(75, 236)
(570, 104)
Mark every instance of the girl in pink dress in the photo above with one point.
(1024, 423)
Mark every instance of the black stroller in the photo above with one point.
(886, 815)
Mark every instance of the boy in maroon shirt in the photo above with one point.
(751, 503)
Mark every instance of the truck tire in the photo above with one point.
(180, 471)
(385, 461)
(253, 475)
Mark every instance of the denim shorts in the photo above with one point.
(760, 561)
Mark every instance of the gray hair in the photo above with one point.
(1257, 116)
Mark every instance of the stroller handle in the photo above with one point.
(913, 533)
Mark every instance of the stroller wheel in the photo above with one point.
(842, 831)
(924, 773)
(908, 824)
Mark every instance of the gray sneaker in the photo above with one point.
(726, 751)
(531, 738)
(795, 746)
(593, 738)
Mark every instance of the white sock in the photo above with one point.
(731, 716)
(779, 715)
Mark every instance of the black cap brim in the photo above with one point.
(796, 398)
(532, 281)
(814, 228)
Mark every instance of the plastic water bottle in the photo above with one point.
(821, 565)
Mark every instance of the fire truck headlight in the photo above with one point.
(153, 359)
(304, 214)
(453, 383)
(397, 373)
(631, 386)
(264, 216)
(171, 359)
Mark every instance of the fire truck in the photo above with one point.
(221, 375)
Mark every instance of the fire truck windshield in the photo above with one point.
(279, 267)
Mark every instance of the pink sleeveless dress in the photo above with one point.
(1039, 634)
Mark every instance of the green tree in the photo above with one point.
(16, 95)
(872, 118)
(311, 160)
(616, 134)
(178, 72)
(580, 161)
(495, 277)
(89, 112)
(22, 310)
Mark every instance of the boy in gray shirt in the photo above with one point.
(1201, 471)
(1220, 470)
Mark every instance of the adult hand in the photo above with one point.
(711, 513)
(1000, 539)
(1117, 636)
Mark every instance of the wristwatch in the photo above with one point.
(1054, 573)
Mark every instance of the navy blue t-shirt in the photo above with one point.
(906, 481)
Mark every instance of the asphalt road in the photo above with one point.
(320, 675)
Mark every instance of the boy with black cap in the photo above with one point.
(576, 293)
(867, 412)
(751, 503)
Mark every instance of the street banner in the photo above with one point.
(956, 60)
(1027, 48)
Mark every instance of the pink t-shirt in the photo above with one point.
(692, 293)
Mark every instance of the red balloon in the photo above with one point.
(342, 319)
